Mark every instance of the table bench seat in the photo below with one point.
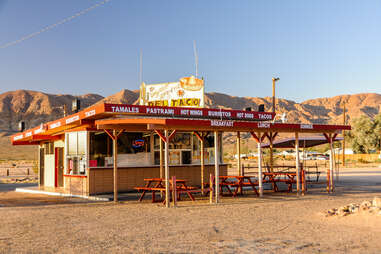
(284, 181)
(179, 188)
(158, 185)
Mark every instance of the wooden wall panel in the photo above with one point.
(101, 179)
(76, 185)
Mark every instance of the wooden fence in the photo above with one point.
(359, 157)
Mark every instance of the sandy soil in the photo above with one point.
(277, 223)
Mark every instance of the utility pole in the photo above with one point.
(64, 110)
(274, 80)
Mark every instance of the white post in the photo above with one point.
(115, 157)
(217, 169)
(239, 154)
(260, 182)
(166, 161)
(332, 161)
(161, 173)
(202, 161)
(297, 163)
(161, 158)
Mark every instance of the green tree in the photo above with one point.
(365, 134)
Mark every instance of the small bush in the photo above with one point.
(361, 160)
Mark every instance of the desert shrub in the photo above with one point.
(361, 160)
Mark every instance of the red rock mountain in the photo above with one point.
(37, 107)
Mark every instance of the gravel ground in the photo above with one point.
(277, 223)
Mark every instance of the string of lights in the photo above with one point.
(50, 27)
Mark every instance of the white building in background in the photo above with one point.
(340, 151)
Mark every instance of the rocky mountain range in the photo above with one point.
(37, 107)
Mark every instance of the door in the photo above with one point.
(42, 166)
(58, 151)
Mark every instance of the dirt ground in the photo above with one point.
(277, 223)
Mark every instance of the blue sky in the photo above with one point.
(317, 48)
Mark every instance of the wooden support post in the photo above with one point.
(331, 164)
(328, 181)
(260, 178)
(303, 177)
(217, 167)
(161, 173)
(174, 187)
(161, 158)
(271, 153)
(201, 138)
(202, 162)
(239, 153)
(297, 163)
(115, 156)
(166, 163)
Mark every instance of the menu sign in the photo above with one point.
(188, 92)
(222, 114)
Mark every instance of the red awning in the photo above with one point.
(304, 142)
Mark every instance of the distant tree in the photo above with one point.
(377, 130)
(365, 134)
(244, 147)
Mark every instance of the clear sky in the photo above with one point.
(317, 48)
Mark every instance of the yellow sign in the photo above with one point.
(188, 92)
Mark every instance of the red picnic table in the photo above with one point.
(237, 182)
(274, 177)
(154, 185)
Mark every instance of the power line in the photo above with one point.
(50, 27)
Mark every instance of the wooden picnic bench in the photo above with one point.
(154, 185)
(235, 184)
(276, 177)
(312, 172)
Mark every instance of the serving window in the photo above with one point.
(133, 149)
(76, 145)
(100, 148)
(180, 149)
(208, 149)
(49, 148)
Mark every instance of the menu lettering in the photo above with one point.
(263, 125)
(160, 111)
(124, 109)
(306, 126)
(221, 123)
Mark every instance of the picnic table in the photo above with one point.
(154, 185)
(237, 182)
(275, 177)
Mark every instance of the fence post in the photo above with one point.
(243, 169)
(7, 171)
(174, 194)
(328, 181)
(211, 188)
(303, 181)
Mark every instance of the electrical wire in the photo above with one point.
(50, 27)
